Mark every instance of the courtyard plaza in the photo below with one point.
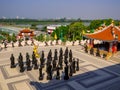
(94, 73)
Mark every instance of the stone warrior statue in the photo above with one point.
(12, 59)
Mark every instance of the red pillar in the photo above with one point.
(114, 48)
(91, 43)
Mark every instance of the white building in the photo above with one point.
(51, 28)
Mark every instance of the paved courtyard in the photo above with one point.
(94, 74)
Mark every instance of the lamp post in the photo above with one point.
(61, 35)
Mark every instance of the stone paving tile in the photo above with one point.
(42, 84)
(21, 85)
(61, 87)
(0, 87)
(94, 73)
(10, 73)
(99, 77)
(87, 80)
(112, 86)
(76, 85)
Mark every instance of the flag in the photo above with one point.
(55, 36)
(83, 31)
(45, 37)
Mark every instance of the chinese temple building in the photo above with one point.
(107, 34)
(26, 34)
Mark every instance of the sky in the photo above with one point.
(46, 9)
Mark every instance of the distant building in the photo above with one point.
(51, 28)
(26, 34)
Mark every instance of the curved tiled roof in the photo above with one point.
(20, 34)
(106, 34)
(32, 34)
(26, 31)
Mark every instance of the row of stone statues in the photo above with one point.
(32, 43)
(51, 64)
(19, 43)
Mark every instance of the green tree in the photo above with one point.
(61, 32)
(40, 37)
(75, 30)
(95, 24)
(13, 37)
(9, 38)
(117, 23)
(107, 21)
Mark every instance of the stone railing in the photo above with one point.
(63, 43)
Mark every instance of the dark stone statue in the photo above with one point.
(35, 64)
(55, 55)
(70, 56)
(49, 72)
(73, 66)
(42, 60)
(60, 62)
(66, 53)
(28, 62)
(12, 59)
(57, 73)
(40, 74)
(66, 77)
(54, 65)
(20, 59)
(21, 64)
(33, 58)
(71, 70)
(77, 67)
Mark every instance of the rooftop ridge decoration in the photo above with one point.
(100, 30)
(117, 28)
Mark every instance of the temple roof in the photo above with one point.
(32, 34)
(26, 31)
(20, 34)
(108, 34)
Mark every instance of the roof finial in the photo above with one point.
(104, 24)
(112, 22)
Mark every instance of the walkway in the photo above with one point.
(94, 74)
